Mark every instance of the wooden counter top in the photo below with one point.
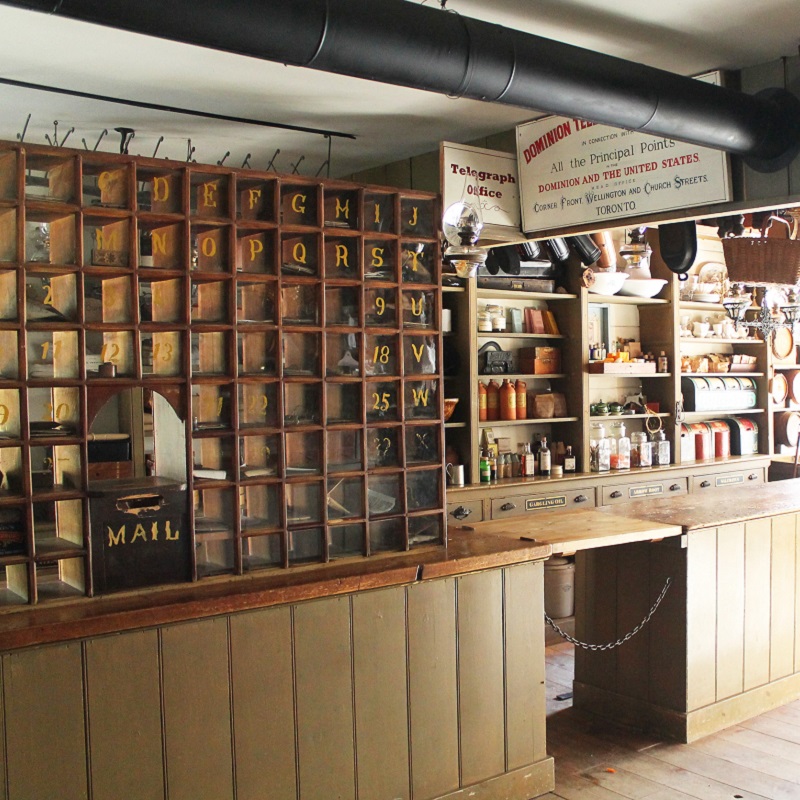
(721, 507)
(22, 626)
(569, 531)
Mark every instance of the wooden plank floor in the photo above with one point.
(757, 760)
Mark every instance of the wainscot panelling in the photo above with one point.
(781, 647)
(44, 723)
(122, 682)
(381, 694)
(3, 757)
(793, 85)
(197, 718)
(432, 688)
(757, 599)
(480, 676)
(263, 703)
(730, 596)
(410, 693)
(634, 598)
(701, 621)
(524, 640)
(324, 683)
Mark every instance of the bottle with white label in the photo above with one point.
(544, 459)
(570, 462)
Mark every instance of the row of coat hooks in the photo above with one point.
(127, 135)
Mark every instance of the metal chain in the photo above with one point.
(625, 638)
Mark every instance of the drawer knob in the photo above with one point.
(616, 493)
(676, 487)
(581, 498)
(752, 476)
(508, 506)
(705, 484)
(462, 512)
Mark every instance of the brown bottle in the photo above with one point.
(493, 401)
(483, 413)
(508, 400)
(522, 399)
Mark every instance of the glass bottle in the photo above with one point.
(528, 462)
(661, 449)
(641, 450)
(544, 459)
(486, 474)
(599, 449)
(620, 447)
(570, 462)
(516, 465)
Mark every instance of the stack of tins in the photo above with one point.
(717, 438)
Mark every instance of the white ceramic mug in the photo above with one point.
(455, 474)
(700, 329)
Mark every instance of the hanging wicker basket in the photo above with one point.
(763, 259)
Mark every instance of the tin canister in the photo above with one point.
(721, 431)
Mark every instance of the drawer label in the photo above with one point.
(646, 491)
(729, 480)
(545, 502)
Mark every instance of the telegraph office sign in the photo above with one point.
(573, 172)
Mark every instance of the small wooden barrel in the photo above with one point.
(787, 428)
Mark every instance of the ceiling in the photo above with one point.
(389, 123)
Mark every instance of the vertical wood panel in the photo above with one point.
(432, 688)
(323, 668)
(263, 704)
(524, 659)
(122, 678)
(730, 610)
(764, 184)
(635, 596)
(667, 675)
(599, 622)
(381, 694)
(797, 593)
(701, 618)
(46, 735)
(197, 710)
(793, 85)
(781, 647)
(758, 543)
(480, 676)
(2, 739)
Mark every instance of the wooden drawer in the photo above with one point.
(550, 501)
(625, 492)
(719, 480)
(466, 511)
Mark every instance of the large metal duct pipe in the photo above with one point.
(404, 43)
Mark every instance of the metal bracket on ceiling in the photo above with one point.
(190, 151)
(272, 160)
(246, 162)
(295, 166)
(158, 144)
(222, 160)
